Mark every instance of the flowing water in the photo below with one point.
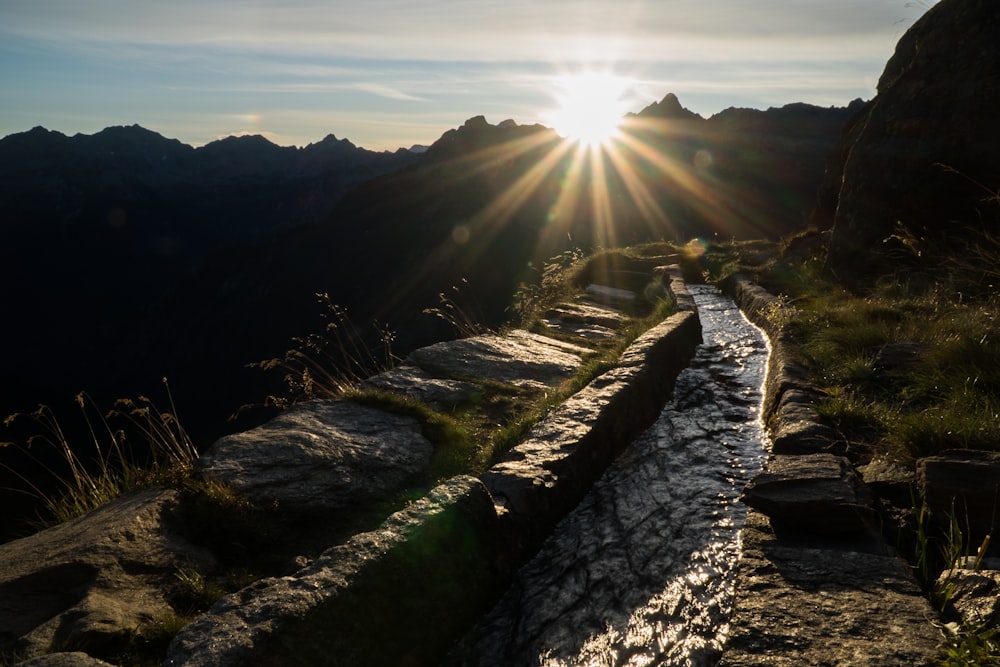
(641, 572)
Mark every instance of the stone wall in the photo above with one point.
(817, 583)
(405, 592)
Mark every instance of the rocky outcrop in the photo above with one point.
(320, 457)
(87, 583)
(426, 572)
(431, 569)
(918, 163)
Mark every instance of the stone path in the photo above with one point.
(641, 571)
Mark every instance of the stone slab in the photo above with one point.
(825, 607)
(517, 358)
(818, 493)
(320, 456)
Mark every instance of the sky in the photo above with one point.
(393, 73)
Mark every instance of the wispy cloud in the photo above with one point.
(352, 67)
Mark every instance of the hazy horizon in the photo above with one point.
(392, 74)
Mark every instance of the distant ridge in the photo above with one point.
(131, 257)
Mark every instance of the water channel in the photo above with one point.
(641, 572)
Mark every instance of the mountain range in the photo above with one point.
(127, 257)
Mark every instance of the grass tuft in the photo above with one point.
(135, 445)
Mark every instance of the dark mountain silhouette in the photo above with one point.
(127, 257)
(913, 184)
(99, 230)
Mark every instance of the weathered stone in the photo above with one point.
(916, 165)
(585, 331)
(416, 383)
(586, 313)
(516, 359)
(817, 493)
(891, 481)
(798, 605)
(611, 296)
(963, 485)
(540, 479)
(74, 659)
(87, 582)
(533, 340)
(797, 428)
(397, 595)
(321, 456)
(973, 594)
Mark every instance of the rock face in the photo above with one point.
(923, 150)
(393, 596)
(86, 583)
(320, 456)
(806, 605)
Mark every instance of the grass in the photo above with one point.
(910, 365)
(329, 363)
(470, 437)
(599, 362)
(135, 445)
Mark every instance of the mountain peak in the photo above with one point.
(669, 107)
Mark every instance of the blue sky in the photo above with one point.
(392, 73)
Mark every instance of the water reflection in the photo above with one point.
(641, 572)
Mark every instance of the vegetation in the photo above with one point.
(135, 445)
(910, 366)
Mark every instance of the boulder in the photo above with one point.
(321, 456)
(398, 595)
(974, 595)
(586, 313)
(86, 583)
(814, 493)
(611, 296)
(520, 358)
(585, 331)
(413, 381)
(963, 485)
(802, 605)
(918, 163)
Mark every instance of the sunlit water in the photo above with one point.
(641, 572)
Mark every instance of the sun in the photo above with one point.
(591, 108)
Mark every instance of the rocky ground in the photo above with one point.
(818, 583)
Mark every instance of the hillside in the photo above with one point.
(134, 257)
